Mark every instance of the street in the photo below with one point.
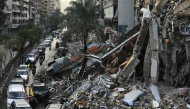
(49, 55)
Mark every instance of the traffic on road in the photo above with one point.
(24, 90)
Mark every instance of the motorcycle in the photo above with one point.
(33, 71)
(57, 45)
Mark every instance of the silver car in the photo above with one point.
(32, 57)
(24, 74)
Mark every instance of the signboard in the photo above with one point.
(122, 28)
(108, 12)
(184, 29)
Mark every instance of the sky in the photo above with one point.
(64, 4)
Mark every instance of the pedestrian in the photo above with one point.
(43, 49)
(28, 65)
(44, 36)
(33, 103)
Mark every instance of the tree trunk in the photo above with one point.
(81, 73)
(85, 44)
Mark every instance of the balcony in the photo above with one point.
(16, 18)
(34, 11)
(110, 3)
(17, 3)
(16, 10)
(25, 5)
(8, 11)
(25, 12)
(24, 18)
(26, 0)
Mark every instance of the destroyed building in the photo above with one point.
(144, 69)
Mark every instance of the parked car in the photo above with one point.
(20, 104)
(47, 43)
(15, 91)
(24, 74)
(48, 39)
(36, 52)
(51, 38)
(39, 48)
(61, 51)
(17, 80)
(39, 90)
(32, 57)
(23, 67)
(42, 45)
(53, 33)
(55, 106)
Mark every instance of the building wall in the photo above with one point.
(57, 4)
(125, 14)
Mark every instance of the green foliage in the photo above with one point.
(55, 20)
(81, 17)
(2, 14)
(11, 41)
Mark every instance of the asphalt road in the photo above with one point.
(49, 55)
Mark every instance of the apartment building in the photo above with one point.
(19, 12)
(57, 4)
(118, 14)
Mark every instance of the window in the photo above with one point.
(39, 88)
(16, 95)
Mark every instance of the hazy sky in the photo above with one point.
(64, 4)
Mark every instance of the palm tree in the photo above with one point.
(81, 16)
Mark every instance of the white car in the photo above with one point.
(23, 67)
(51, 37)
(20, 104)
(48, 39)
(32, 57)
(24, 74)
(15, 91)
(47, 43)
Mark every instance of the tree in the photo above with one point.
(2, 14)
(81, 16)
(56, 19)
(10, 42)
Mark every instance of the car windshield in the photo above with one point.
(22, 67)
(39, 48)
(39, 88)
(61, 48)
(30, 56)
(46, 42)
(16, 82)
(21, 73)
(16, 95)
(23, 108)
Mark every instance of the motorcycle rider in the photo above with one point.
(33, 69)
(41, 60)
(50, 47)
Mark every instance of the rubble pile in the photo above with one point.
(142, 72)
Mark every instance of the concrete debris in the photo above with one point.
(141, 72)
